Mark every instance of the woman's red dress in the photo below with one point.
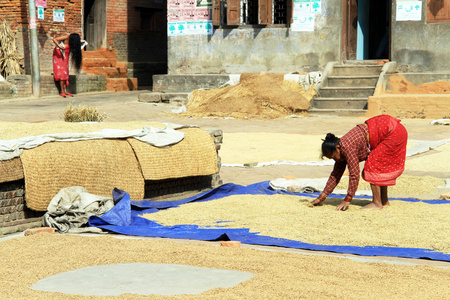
(61, 64)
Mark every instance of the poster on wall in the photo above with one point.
(185, 17)
(189, 28)
(58, 15)
(409, 11)
(41, 3)
(303, 17)
(40, 12)
(316, 6)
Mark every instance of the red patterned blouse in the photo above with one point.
(354, 149)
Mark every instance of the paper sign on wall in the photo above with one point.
(41, 3)
(409, 11)
(316, 6)
(189, 17)
(58, 15)
(187, 28)
(303, 18)
(40, 13)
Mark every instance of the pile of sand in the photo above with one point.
(399, 85)
(403, 224)
(255, 96)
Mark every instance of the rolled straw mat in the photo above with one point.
(11, 170)
(97, 165)
(195, 155)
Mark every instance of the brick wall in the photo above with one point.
(14, 215)
(125, 33)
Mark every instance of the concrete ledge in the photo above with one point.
(410, 106)
(164, 97)
(150, 97)
(188, 83)
(20, 86)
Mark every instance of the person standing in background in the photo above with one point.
(68, 45)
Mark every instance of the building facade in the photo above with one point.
(303, 35)
(236, 36)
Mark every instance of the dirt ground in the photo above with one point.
(280, 274)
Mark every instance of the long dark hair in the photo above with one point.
(329, 145)
(75, 50)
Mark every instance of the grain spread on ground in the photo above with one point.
(403, 224)
(265, 147)
(255, 96)
(406, 185)
(399, 85)
(244, 147)
(278, 275)
(15, 130)
(436, 160)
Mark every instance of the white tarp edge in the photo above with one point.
(158, 137)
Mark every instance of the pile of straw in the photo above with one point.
(82, 113)
(9, 57)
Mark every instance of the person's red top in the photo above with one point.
(354, 149)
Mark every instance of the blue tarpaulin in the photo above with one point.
(124, 218)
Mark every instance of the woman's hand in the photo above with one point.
(319, 200)
(343, 206)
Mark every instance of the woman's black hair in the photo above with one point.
(329, 145)
(75, 50)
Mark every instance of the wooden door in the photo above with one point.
(349, 29)
(95, 23)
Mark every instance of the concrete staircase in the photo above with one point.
(103, 62)
(347, 87)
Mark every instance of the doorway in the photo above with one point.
(94, 20)
(366, 29)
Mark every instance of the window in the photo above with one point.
(438, 11)
(251, 12)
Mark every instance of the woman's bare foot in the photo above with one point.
(387, 203)
(372, 205)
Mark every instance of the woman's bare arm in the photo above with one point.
(56, 40)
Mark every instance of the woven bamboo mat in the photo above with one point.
(11, 170)
(195, 155)
(97, 165)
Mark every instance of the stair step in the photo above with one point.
(339, 103)
(121, 84)
(108, 72)
(340, 70)
(350, 92)
(348, 81)
(99, 62)
(99, 53)
(338, 112)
